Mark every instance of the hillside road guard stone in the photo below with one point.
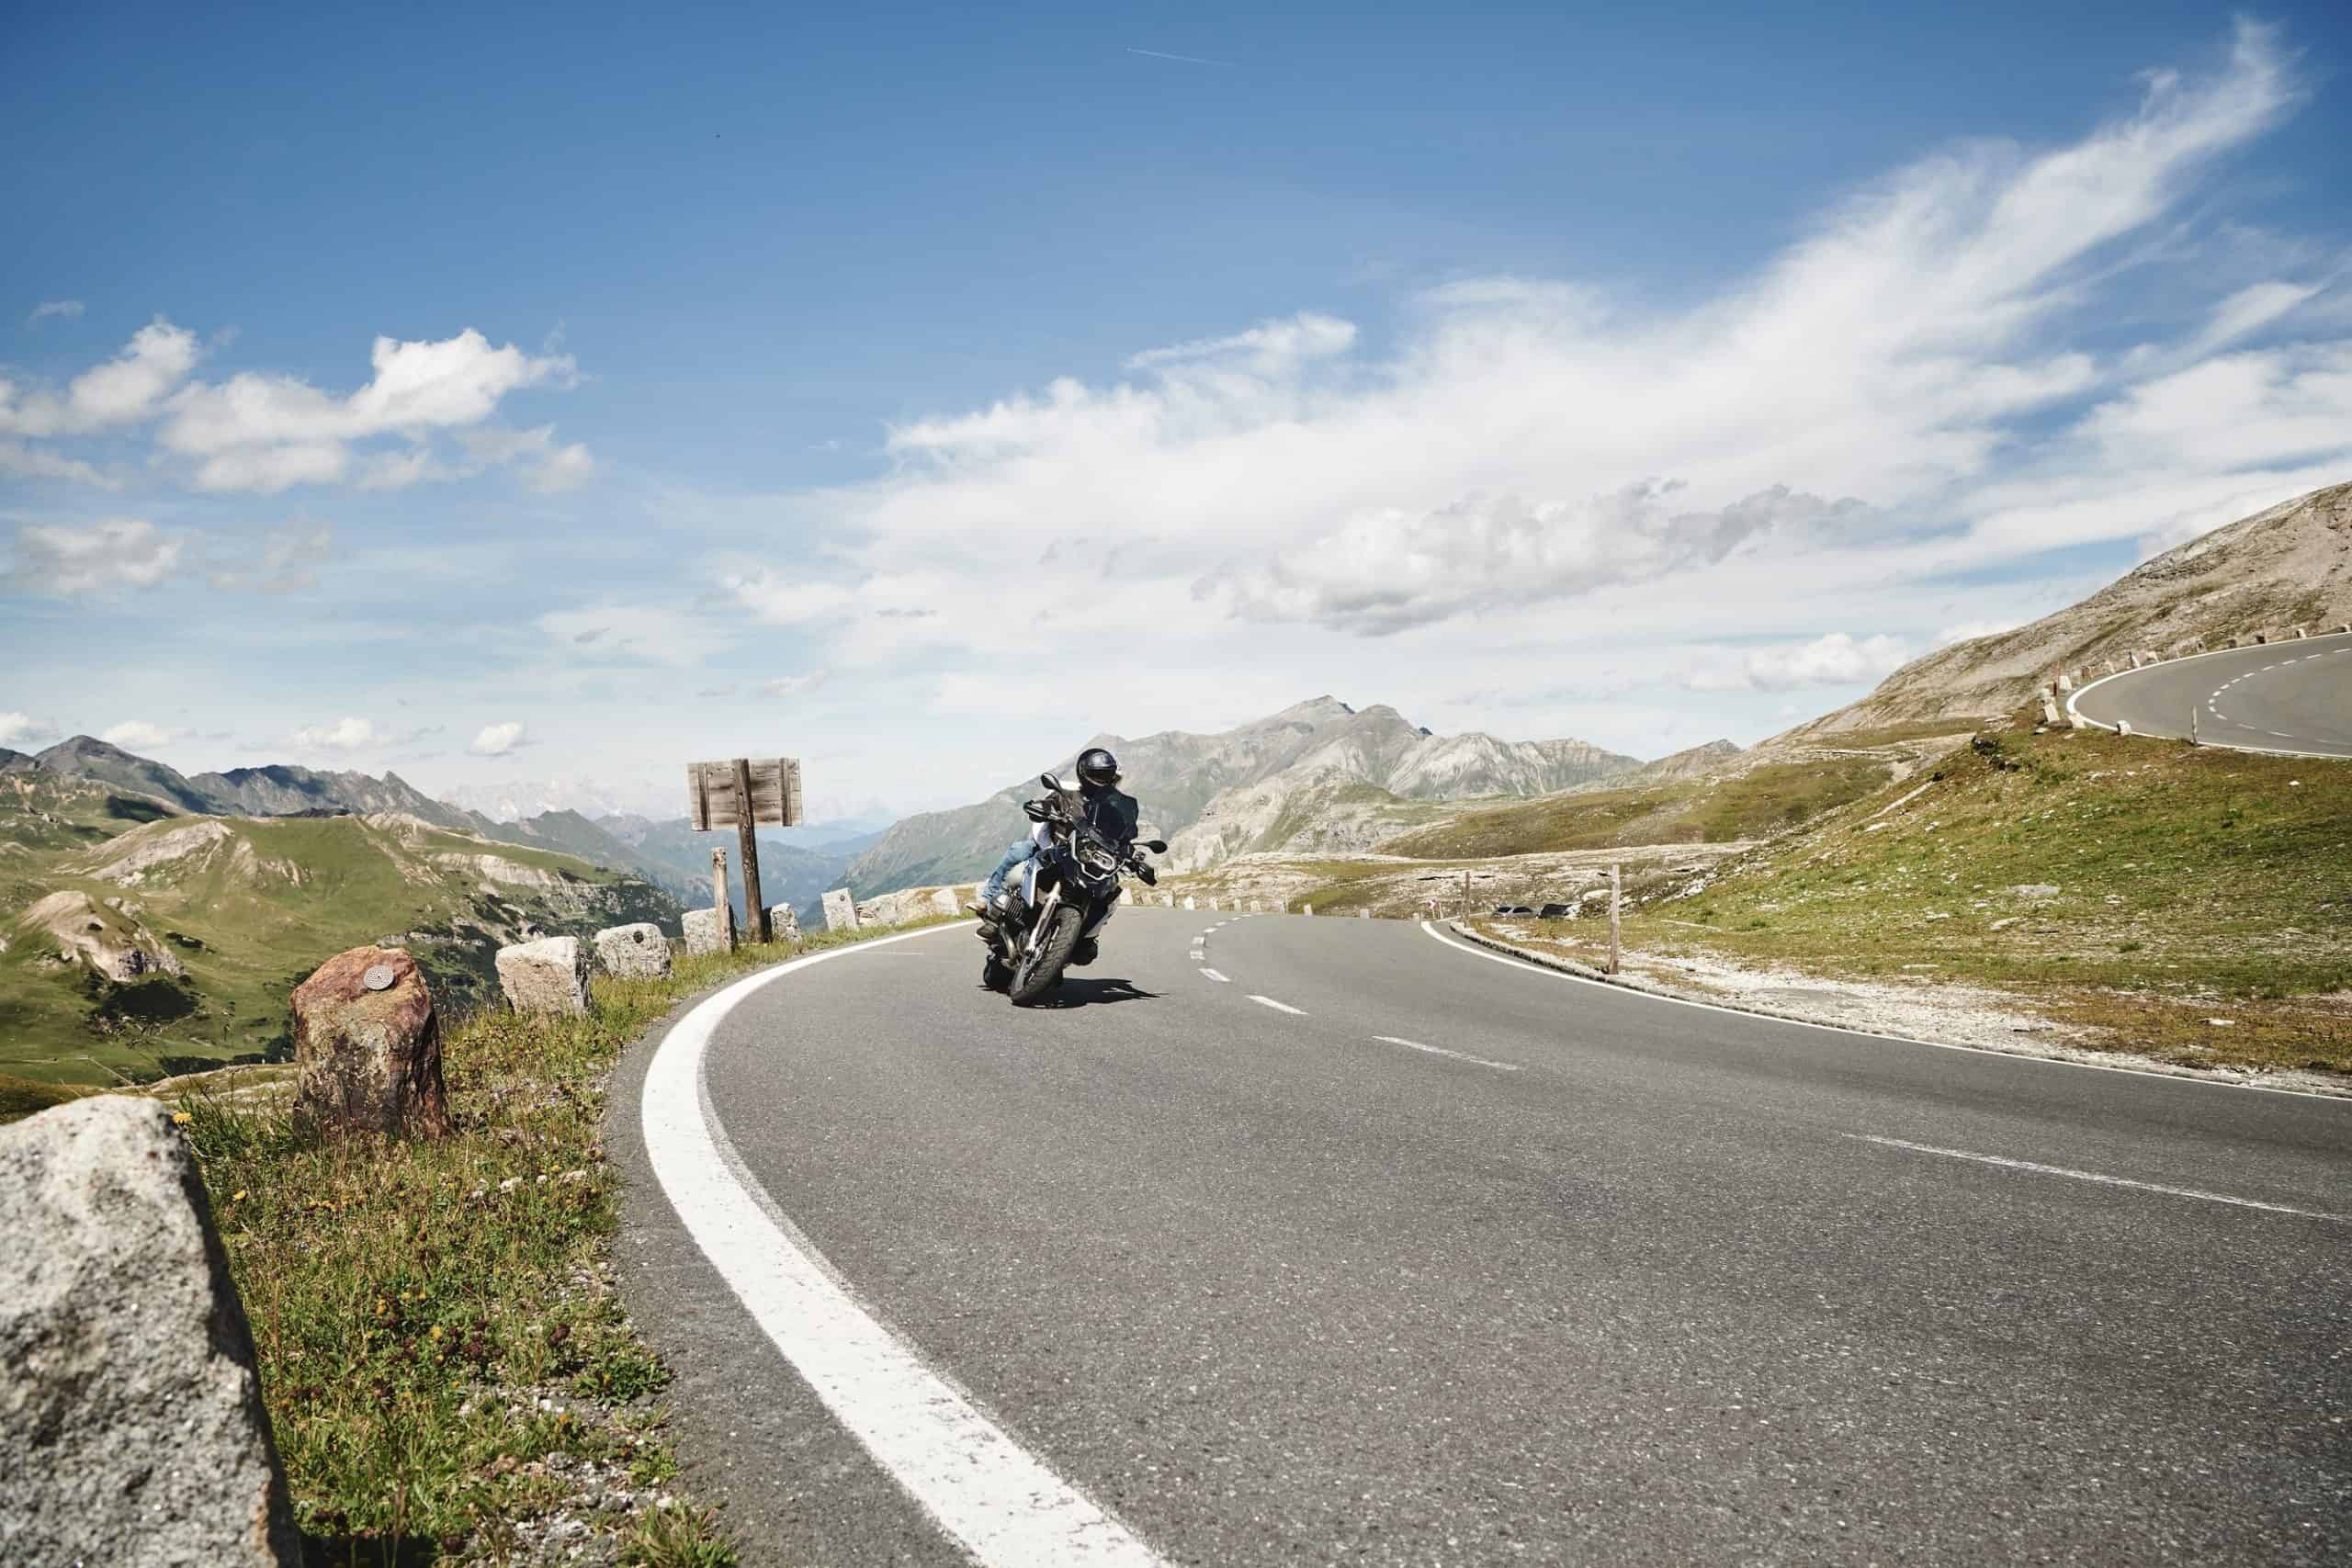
(638, 952)
(546, 975)
(132, 1428)
(368, 1046)
(706, 932)
(841, 910)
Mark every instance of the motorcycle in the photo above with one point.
(1056, 905)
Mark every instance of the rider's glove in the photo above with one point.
(1151, 878)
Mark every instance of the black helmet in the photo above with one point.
(1097, 769)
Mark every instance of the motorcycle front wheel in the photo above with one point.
(1041, 971)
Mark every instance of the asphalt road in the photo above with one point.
(1444, 1260)
(2283, 696)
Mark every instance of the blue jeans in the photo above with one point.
(1021, 851)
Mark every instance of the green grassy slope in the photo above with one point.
(1745, 805)
(2189, 884)
(247, 916)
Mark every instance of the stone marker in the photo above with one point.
(1363, 914)
(706, 933)
(1188, 902)
(368, 1046)
(2260, 638)
(2048, 708)
(1306, 909)
(2123, 726)
(783, 923)
(841, 910)
(132, 1428)
(546, 975)
(636, 952)
(2298, 634)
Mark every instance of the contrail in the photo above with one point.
(1185, 59)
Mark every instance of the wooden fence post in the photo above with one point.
(726, 907)
(1615, 952)
(755, 912)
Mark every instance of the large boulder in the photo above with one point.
(132, 1428)
(368, 1046)
(546, 975)
(707, 930)
(638, 952)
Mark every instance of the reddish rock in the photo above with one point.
(370, 1059)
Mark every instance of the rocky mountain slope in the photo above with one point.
(138, 939)
(2289, 566)
(1311, 771)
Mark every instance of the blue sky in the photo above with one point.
(755, 380)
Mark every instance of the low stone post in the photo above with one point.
(638, 952)
(1615, 951)
(546, 975)
(1189, 902)
(131, 1426)
(841, 910)
(1306, 909)
(706, 932)
(368, 1046)
(721, 902)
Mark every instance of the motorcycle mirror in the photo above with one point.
(1053, 783)
(1156, 846)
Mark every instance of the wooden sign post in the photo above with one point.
(743, 795)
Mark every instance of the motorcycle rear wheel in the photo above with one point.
(1041, 970)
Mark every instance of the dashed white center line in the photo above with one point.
(1278, 1007)
(1441, 1051)
(1217, 977)
(2104, 1180)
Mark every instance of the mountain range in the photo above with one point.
(1295, 779)
(668, 855)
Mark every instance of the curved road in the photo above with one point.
(1381, 1250)
(2283, 696)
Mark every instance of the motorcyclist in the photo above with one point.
(1103, 808)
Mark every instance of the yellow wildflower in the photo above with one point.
(179, 1118)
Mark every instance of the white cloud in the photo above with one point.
(552, 467)
(348, 734)
(286, 562)
(134, 734)
(1835, 658)
(37, 463)
(1527, 444)
(19, 730)
(1267, 347)
(264, 431)
(782, 600)
(69, 562)
(66, 309)
(793, 685)
(633, 634)
(497, 739)
(1384, 572)
(127, 388)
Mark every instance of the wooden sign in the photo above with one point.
(775, 794)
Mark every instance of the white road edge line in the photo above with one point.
(1217, 977)
(2041, 1169)
(1441, 1051)
(1503, 958)
(1278, 1007)
(994, 1498)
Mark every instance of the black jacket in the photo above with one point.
(1114, 814)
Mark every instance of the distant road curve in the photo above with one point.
(2289, 697)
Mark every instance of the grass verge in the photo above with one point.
(2184, 903)
(446, 1364)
